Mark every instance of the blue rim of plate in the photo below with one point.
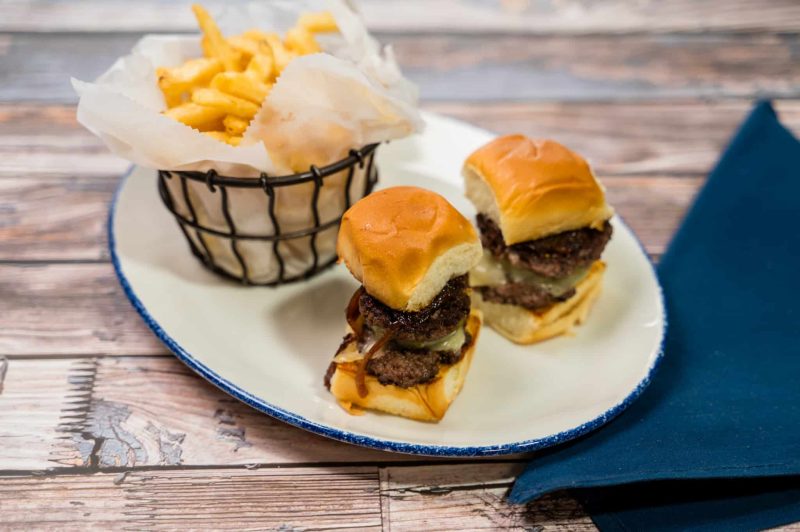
(368, 441)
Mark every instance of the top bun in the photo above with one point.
(534, 188)
(404, 244)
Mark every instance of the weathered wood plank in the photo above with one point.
(46, 218)
(674, 137)
(652, 207)
(413, 498)
(78, 154)
(69, 309)
(38, 399)
(48, 141)
(619, 138)
(275, 499)
(470, 497)
(570, 17)
(156, 412)
(482, 67)
(341, 498)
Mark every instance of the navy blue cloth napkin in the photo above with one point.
(725, 403)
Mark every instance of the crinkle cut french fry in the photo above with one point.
(217, 45)
(281, 55)
(319, 22)
(256, 34)
(234, 125)
(221, 136)
(193, 72)
(224, 89)
(248, 47)
(240, 85)
(205, 45)
(261, 68)
(301, 40)
(227, 103)
(174, 99)
(197, 116)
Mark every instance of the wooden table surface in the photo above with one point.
(101, 427)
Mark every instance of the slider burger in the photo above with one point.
(544, 223)
(411, 331)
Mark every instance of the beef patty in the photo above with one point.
(404, 368)
(409, 367)
(553, 256)
(438, 319)
(401, 366)
(524, 295)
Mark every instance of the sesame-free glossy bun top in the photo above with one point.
(405, 243)
(534, 188)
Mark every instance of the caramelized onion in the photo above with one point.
(361, 375)
(353, 314)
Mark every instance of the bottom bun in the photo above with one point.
(423, 402)
(524, 326)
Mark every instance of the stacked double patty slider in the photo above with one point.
(427, 282)
(411, 328)
(544, 223)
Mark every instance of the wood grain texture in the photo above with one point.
(69, 309)
(125, 405)
(622, 138)
(48, 141)
(477, 68)
(342, 498)
(146, 412)
(408, 498)
(482, 67)
(470, 497)
(274, 499)
(45, 218)
(57, 211)
(37, 400)
(674, 137)
(522, 16)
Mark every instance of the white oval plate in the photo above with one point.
(270, 347)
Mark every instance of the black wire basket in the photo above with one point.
(267, 230)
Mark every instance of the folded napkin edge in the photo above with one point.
(523, 495)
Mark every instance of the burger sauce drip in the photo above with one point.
(361, 375)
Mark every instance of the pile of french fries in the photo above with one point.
(220, 93)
